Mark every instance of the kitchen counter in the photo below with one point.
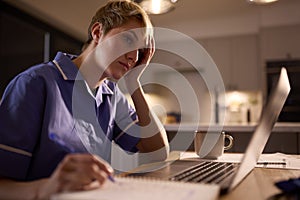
(239, 127)
(285, 137)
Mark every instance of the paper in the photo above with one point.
(145, 189)
(279, 160)
(273, 160)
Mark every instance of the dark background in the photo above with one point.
(26, 41)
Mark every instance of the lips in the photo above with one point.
(125, 66)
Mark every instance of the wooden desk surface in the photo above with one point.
(259, 184)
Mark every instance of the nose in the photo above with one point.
(132, 57)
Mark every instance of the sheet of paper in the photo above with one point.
(279, 160)
(273, 160)
(145, 189)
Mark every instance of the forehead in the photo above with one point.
(133, 26)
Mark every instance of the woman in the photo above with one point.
(58, 119)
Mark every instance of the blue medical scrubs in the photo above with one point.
(47, 112)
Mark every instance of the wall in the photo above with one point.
(280, 42)
(26, 41)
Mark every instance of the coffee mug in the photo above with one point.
(211, 145)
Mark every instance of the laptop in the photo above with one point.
(229, 175)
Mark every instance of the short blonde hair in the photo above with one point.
(116, 13)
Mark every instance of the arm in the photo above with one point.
(17, 110)
(153, 134)
(10, 189)
(75, 172)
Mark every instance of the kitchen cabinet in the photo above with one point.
(283, 142)
(245, 67)
(280, 42)
(285, 137)
(237, 60)
(278, 142)
(221, 52)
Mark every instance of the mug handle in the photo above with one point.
(230, 138)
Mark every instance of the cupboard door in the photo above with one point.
(278, 142)
(282, 142)
(220, 51)
(237, 60)
(280, 42)
(245, 73)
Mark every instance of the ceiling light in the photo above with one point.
(156, 6)
(261, 1)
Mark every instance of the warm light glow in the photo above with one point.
(156, 6)
(262, 1)
(235, 96)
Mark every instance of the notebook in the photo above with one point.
(127, 188)
(229, 175)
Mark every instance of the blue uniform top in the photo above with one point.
(47, 112)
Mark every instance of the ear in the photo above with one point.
(96, 31)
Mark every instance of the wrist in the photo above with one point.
(44, 190)
(132, 86)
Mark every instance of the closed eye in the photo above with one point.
(129, 40)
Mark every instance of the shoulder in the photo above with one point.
(33, 78)
(40, 70)
(36, 72)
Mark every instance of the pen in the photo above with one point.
(111, 178)
(54, 137)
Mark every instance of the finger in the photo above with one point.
(83, 175)
(91, 160)
(88, 173)
(91, 186)
(101, 177)
(103, 165)
(152, 41)
(79, 180)
(86, 162)
(151, 48)
(71, 181)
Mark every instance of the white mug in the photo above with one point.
(211, 145)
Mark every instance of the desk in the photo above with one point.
(259, 184)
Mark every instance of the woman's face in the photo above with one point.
(121, 48)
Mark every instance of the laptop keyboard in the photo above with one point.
(207, 172)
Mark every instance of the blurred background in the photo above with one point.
(248, 42)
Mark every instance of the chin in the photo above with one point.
(115, 78)
(112, 79)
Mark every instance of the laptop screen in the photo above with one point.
(263, 130)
